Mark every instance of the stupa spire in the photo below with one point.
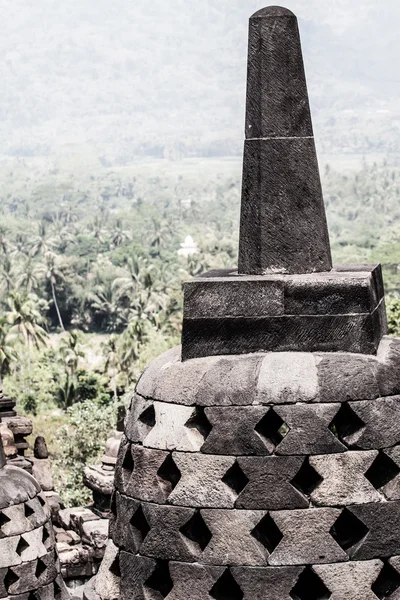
(283, 225)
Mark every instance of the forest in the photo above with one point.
(91, 278)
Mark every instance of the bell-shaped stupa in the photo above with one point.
(261, 461)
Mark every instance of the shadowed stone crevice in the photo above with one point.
(159, 581)
(169, 474)
(226, 588)
(272, 428)
(310, 587)
(140, 524)
(235, 478)
(382, 471)
(197, 531)
(22, 546)
(347, 425)
(199, 421)
(10, 579)
(348, 531)
(307, 479)
(387, 583)
(148, 416)
(267, 533)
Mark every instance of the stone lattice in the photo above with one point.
(29, 566)
(261, 461)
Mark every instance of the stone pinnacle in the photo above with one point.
(283, 225)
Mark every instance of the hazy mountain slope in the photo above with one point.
(155, 77)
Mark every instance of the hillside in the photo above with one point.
(167, 79)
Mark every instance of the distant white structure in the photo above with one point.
(188, 247)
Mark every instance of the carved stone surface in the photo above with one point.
(261, 460)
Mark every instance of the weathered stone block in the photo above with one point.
(388, 374)
(16, 486)
(269, 485)
(140, 419)
(34, 574)
(383, 537)
(164, 539)
(18, 549)
(266, 583)
(192, 580)
(135, 571)
(343, 479)
(172, 431)
(137, 473)
(95, 533)
(202, 483)
(306, 537)
(21, 522)
(127, 536)
(345, 376)
(232, 541)
(219, 380)
(381, 418)
(350, 580)
(41, 471)
(234, 431)
(287, 377)
(309, 431)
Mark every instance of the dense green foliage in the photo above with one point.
(91, 279)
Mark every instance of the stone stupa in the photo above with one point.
(261, 461)
(29, 566)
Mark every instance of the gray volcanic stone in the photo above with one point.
(306, 537)
(3, 591)
(383, 538)
(232, 542)
(40, 448)
(201, 484)
(123, 534)
(164, 539)
(278, 123)
(136, 430)
(107, 581)
(350, 580)
(381, 418)
(170, 431)
(29, 578)
(10, 555)
(287, 377)
(309, 431)
(20, 523)
(391, 489)
(135, 571)
(220, 380)
(192, 580)
(388, 367)
(266, 583)
(269, 485)
(344, 480)
(142, 482)
(16, 486)
(233, 431)
(344, 376)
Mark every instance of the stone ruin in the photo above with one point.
(261, 460)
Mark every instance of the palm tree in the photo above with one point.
(119, 235)
(4, 242)
(113, 362)
(29, 275)
(7, 276)
(54, 275)
(8, 353)
(71, 350)
(42, 244)
(138, 274)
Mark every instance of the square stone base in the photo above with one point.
(342, 310)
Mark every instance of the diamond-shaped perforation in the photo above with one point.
(306, 479)
(115, 568)
(46, 534)
(382, 470)
(271, 428)
(235, 478)
(22, 545)
(3, 519)
(139, 522)
(40, 568)
(226, 588)
(10, 579)
(388, 581)
(160, 580)
(57, 591)
(28, 511)
(267, 533)
(196, 530)
(199, 421)
(34, 595)
(310, 587)
(148, 416)
(346, 424)
(348, 530)
(42, 500)
(128, 463)
(169, 473)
